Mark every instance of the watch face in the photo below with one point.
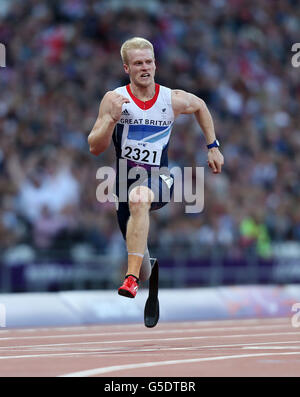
(217, 142)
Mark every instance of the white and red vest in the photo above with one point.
(143, 131)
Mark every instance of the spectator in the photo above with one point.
(67, 56)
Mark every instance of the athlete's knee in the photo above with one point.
(140, 198)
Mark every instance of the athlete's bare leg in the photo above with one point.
(140, 199)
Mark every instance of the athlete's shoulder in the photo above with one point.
(186, 102)
(180, 101)
(176, 92)
(179, 97)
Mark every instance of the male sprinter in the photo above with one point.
(139, 118)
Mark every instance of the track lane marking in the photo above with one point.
(270, 347)
(114, 368)
(144, 332)
(125, 350)
(203, 323)
(154, 340)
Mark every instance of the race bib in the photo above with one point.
(142, 152)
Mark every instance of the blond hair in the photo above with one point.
(136, 43)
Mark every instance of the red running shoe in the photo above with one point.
(129, 287)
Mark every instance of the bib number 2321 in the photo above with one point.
(142, 153)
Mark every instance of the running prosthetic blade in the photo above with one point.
(151, 311)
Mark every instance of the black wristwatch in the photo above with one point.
(214, 144)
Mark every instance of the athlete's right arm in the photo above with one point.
(110, 111)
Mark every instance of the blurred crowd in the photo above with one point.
(62, 56)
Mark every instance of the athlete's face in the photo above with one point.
(141, 67)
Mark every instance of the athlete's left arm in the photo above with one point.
(186, 103)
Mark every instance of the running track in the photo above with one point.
(239, 348)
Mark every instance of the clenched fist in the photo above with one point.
(215, 160)
(115, 108)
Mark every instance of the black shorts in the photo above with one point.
(162, 187)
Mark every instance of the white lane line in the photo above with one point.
(144, 332)
(117, 342)
(114, 368)
(102, 352)
(112, 350)
(271, 347)
(105, 351)
(44, 355)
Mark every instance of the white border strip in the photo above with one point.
(114, 368)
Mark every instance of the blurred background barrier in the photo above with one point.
(62, 56)
(68, 308)
(175, 272)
